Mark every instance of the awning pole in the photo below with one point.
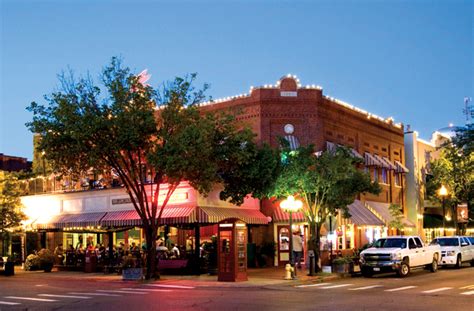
(197, 249)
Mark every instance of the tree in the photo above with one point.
(464, 139)
(10, 207)
(397, 216)
(139, 131)
(327, 183)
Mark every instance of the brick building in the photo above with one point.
(304, 115)
(13, 163)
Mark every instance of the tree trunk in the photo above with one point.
(151, 235)
(314, 243)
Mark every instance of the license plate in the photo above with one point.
(376, 269)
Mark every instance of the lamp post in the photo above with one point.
(291, 205)
(443, 192)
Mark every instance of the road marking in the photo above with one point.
(468, 293)
(120, 291)
(63, 296)
(436, 290)
(41, 284)
(366, 287)
(171, 286)
(313, 285)
(399, 288)
(148, 289)
(30, 298)
(467, 287)
(335, 286)
(8, 303)
(96, 294)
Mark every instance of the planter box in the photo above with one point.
(132, 274)
(343, 268)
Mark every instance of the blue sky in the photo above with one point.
(412, 60)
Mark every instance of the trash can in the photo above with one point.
(9, 267)
(91, 262)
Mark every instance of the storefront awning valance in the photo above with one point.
(280, 216)
(370, 160)
(208, 214)
(171, 215)
(362, 216)
(401, 168)
(72, 220)
(331, 147)
(385, 162)
(382, 211)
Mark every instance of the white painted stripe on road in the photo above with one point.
(171, 286)
(399, 288)
(335, 286)
(30, 298)
(148, 289)
(96, 294)
(366, 287)
(468, 293)
(41, 284)
(312, 285)
(120, 291)
(63, 296)
(436, 290)
(9, 303)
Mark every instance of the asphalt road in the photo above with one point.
(448, 289)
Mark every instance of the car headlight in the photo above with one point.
(451, 253)
(396, 256)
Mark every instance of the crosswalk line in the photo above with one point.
(366, 287)
(468, 293)
(171, 286)
(30, 298)
(63, 296)
(335, 286)
(467, 287)
(436, 290)
(399, 288)
(312, 285)
(148, 289)
(120, 291)
(9, 303)
(95, 294)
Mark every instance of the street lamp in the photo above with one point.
(291, 205)
(443, 192)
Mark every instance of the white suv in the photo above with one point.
(455, 250)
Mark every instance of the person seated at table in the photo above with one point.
(59, 254)
(175, 254)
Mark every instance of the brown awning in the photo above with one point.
(72, 221)
(362, 216)
(209, 214)
(381, 210)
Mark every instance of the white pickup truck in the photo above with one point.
(455, 250)
(399, 254)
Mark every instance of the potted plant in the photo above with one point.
(32, 262)
(130, 269)
(46, 258)
(343, 265)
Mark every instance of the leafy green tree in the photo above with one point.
(397, 216)
(10, 207)
(327, 183)
(464, 139)
(139, 131)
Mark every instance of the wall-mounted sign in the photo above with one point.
(463, 215)
(289, 94)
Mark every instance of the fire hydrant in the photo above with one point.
(289, 272)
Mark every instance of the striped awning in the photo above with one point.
(82, 220)
(385, 162)
(393, 167)
(293, 141)
(382, 211)
(356, 154)
(209, 214)
(331, 147)
(370, 160)
(401, 168)
(280, 216)
(171, 215)
(362, 216)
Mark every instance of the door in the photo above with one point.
(283, 244)
(416, 254)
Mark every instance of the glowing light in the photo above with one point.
(290, 204)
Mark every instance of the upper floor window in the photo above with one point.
(397, 179)
(384, 176)
(376, 174)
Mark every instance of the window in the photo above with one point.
(397, 179)
(384, 176)
(376, 174)
(418, 242)
(411, 244)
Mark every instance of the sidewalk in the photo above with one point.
(257, 277)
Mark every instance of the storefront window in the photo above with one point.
(284, 238)
(376, 174)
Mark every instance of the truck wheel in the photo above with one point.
(472, 263)
(404, 269)
(367, 272)
(458, 262)
(434, 265)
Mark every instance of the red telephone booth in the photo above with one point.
(232, 251)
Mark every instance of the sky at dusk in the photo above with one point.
(412, 60)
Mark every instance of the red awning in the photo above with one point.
(72, 221)
(208, 214)
(280, 216)
(175, 214)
